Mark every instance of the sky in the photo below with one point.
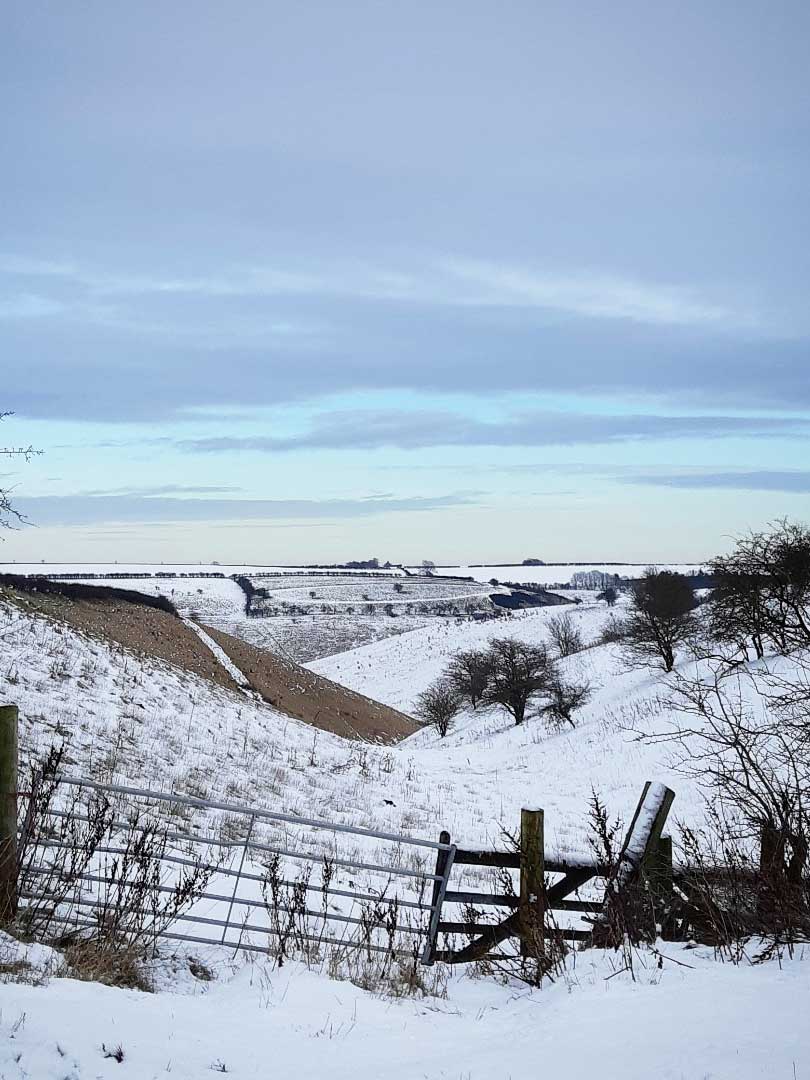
(459, 280)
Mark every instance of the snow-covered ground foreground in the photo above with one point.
(704, 1021)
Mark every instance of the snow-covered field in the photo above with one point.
(128, 719)
(298, 613)
(558, 573)
(132, 568)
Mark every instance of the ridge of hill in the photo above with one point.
(148, 631)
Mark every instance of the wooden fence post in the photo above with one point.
(634, 861)
(8, 813)
(532, 883)
(661, 878)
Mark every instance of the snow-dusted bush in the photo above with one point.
(437, 705)
(564, 635)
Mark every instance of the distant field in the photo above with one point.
(296, 612)
(307, 614)
(558, 573)
(135, 569)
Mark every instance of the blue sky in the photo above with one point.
(459, 280)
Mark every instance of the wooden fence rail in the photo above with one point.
(642, 850)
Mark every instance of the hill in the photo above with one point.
(150, 633)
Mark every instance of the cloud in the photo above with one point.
(366, 430)
(449, 281)
(86, 509)
(793, 481)
(30, 306)
(600, 296)
(166, 489)
(150, 345)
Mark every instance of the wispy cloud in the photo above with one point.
(601, 296)
(165, 489)
(434, 280)
(366, 430)
(30, 306)
(84, 509)
(792, 481)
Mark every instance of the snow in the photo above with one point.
(220, 654)
(130, 719)
(707, 1020)
(226, 569)
(558, 573)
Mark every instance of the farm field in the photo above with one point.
(558, 573)
(299, 613)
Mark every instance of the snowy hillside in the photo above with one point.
(127, 719)
(123, 718)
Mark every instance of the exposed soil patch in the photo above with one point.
(144, 630)
(148, 631)
(311, 698)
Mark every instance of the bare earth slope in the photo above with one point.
(293, 690)
(312, 698)
(145, 630)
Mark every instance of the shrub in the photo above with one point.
(518, 673)
(613, 631)
(469, 673)
(564, 635)
(437, 705)
(564, 699)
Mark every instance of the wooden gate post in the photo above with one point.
(532, 883)
(444, 864)
(8, 813)
(639, 845)
(660, 875)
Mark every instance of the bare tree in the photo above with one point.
(563, 699)
(468, 671)
(9, 517)
(661, 617)
(743, 735)
(564, 635)
(738, 612)
(438, 705)
(518, 674)
(762, 589)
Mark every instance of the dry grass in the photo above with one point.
(95, 960)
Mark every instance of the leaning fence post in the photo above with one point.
(8, 813)
(532, 874)
(444, 864)
(639, 844)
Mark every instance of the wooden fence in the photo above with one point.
(642, 852)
